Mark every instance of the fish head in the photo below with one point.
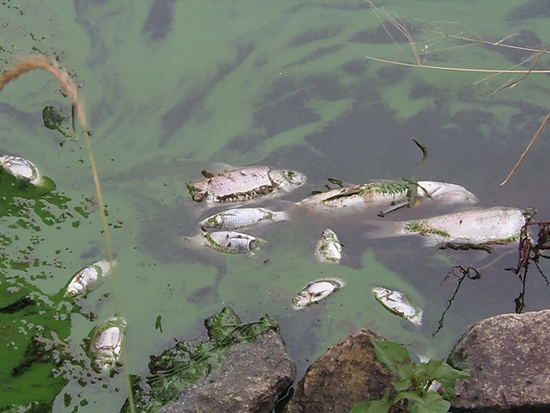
(196, 193)
(303, 299)
(449, 194)
(287, 179)
(213, 222)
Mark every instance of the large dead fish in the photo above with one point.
(248, 183)
(385, 195)
(240, 218)
(478, 227)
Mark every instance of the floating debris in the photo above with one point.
(399, 304)
(86, 279)
(316, 291)
(106, 343)
(478, 227)
(329, 248)
(245, 184)
(385, 195)
(228, 242)
(240, 218)
(22, 169)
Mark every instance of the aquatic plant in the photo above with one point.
(416, 383)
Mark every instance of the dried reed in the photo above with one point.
(391, 17)
(41, 63)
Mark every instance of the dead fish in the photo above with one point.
(488, 226)
(399, 304)
(240, 218)
(316, 291)
(228, 242)
(329, 248)
(106, 343)
(245, 184)
(21, 168)
(87, 278)
(383, 195)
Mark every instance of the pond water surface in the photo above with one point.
(173, 87)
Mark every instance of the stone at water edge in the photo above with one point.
(250, 379)
(508, 358)
(345, 375)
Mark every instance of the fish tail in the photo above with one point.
(385, 229)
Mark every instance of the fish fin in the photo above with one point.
(431, 240)
(385, 229)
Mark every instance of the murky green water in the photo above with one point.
(171, 87)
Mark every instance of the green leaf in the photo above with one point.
(432, 366)
(406, 371)
(419, 408)
(158, 323)
(375, 406)
(409, 395)
(390, 354)
(447, 376)
(435, 403)
(401, 385)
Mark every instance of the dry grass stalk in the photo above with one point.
(41, 63)
(524, 154)
(394, 19)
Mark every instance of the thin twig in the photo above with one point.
(455, 69)
(512, 84)
(524, 154)
(496, 44)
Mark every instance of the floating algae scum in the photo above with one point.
(69, 87)
(170, 90)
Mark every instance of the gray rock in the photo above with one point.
(250, 379)
(345, 375)
(508, 358)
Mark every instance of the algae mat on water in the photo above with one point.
(171, 86)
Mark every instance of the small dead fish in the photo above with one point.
(106, 343)
(478, 227)
(385, 195)
(240, 218)
(399, 304)
(21, 168)
(245, 184)
(87, 278)
(316, 291)
(329, 248)
(228, 242)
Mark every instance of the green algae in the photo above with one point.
(422, 228)
(240, 83)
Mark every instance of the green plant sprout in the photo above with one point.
(414, 386)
